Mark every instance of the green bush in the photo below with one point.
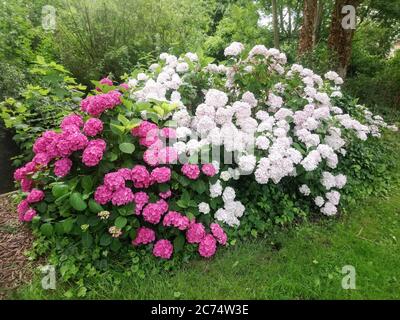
(41, 105)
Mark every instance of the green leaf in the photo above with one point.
(111, 156)
(94, 206)
(127, 147)
(115, 245)
(179, 242)
(117, 129)
(68, 225)
(77, 202)
(46, 229)
(123, 120)
(87, 183)
(199, 186)
(133, 123)
(59, 190)
(181, 204)
(105, 240)
(87, 239)
(120, 222)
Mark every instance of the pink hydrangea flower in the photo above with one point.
(72, 120)
(140, 177)
(92, 156)
(125, 173)
(114, 181)
(96, 105)
(191, 171)
(165, 195)
(93, 127)
(144, 236)
(144, 129)
(124, 85)
(62, 167)
(195, 233)
(106, 81)
(26, 185)
(122, 197)
(29, 215)
(99, 143)
(175, 219)
(35, 196)
(207, 246)
(167, 155)
(208, 169)
(163, 205)
(41, 159)
(24, 171)
(71, 129)
(161, 175)
(163, 249)
(218, 233)
(22, 208)
(77, 141)
(141, 199)
(153, 211)
(149, 140)
(103, 195)
(169, 133)
(150, 156)
(19, 174)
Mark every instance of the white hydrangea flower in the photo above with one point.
(247, 163)
(319, 201)
(249, 98)
(234, 49)
(216, 98)
(216, 189)
(225, 176)
(182, 67)
(192, 56)
(333, 197)
(229, 194)
(329, 209)
(305, 190)
(204, 208)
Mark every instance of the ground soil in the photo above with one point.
(15, 240)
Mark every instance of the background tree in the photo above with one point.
(275, 23)
(307, 38)
(340, 39)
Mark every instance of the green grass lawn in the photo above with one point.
(303, 263)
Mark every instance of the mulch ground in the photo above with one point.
(15, 239)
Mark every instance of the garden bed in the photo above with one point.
(15, 239)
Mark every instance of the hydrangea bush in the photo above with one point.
(159, 162)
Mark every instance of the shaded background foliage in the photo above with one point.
(98, 38)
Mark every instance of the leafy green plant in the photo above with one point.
(41, 105)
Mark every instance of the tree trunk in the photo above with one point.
(275, 24)
(339, 40)
(289, 20)
(281, 19)
(307, 29)
(318, 22)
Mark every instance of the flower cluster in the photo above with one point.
(289, 130)
(97, 104)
